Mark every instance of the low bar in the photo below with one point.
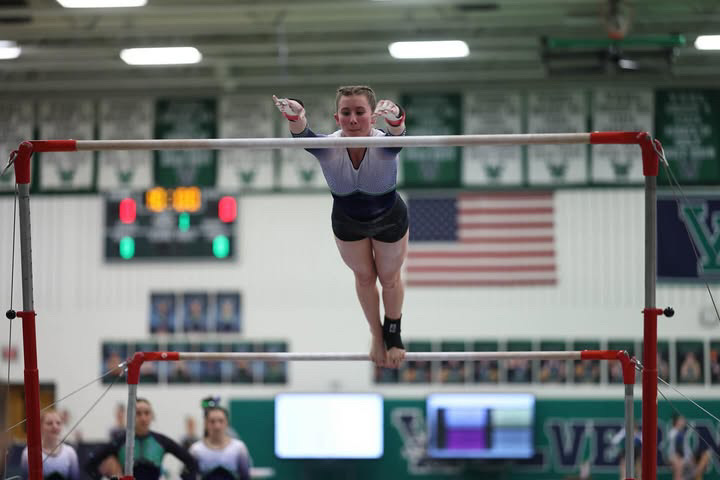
(409, 356)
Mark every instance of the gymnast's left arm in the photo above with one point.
(394, 116)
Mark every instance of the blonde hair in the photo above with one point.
(351, 90)
(47, 412)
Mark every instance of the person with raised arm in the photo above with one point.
(369, 218)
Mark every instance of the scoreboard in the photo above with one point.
(170, 223)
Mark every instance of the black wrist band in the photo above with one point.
(391, 334)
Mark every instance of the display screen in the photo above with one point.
(481, 425)
(182, 222)
(328, 425)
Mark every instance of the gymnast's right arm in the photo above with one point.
(294, 112)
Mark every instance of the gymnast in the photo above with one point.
(369, 218)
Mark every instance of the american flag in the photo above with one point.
(484, 239)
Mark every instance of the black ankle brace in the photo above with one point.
(391, 334)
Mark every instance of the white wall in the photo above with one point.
(295, 287)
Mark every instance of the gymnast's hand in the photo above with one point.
(291, 109)
(392, 114)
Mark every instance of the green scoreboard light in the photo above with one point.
(170, 223)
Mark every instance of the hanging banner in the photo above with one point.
(63, 120)
(489, 114)
(617, 110)
(689, 238)
(557, 112)
(190, 118)
(16, 125)
(246, 117)
(428, 114)
(125, 119)
(687, 122)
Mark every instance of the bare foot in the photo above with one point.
(378, 355)
(395, 356)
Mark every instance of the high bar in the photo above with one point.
(345, 142)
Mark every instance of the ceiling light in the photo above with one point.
(9, 50)
(441, 49)
(708, 42)
(627, 64)
(161, 56)
(101, 3)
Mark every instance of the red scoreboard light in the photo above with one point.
(227, 209)
(127, 210)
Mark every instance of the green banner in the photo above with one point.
(185, 118)
(687, 122)
(432, 115)
(570, 435)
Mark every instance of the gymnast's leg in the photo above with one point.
(358, 255)
(389, 259)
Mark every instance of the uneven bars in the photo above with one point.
(332, 142)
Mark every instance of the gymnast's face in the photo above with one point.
(143, 417)
(51, 425)
(216, 423)
(354, 115)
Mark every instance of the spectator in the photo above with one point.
(219, 456)
(619, 441)
(190, 436)
(60, 462)
(685, 464)
(150, 448)
(118, 429)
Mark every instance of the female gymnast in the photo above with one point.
(369, 219)
(150, 448)
(219, 456)
(60, 462)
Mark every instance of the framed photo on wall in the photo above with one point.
(195, 312)
(518, 371)
(689, 362)
(275, 371)
(162, 313)
(210, 370)
(228, 312)
(178, 372)
(414, 371)
(486, 371)
(452, 371)
(553, 370)
(587, 371)
(113, 354)
(242, 370)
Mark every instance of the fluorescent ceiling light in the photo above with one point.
(161, 56)
(101, 3)
(441, 49)
(9, 50)
(708, 42)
